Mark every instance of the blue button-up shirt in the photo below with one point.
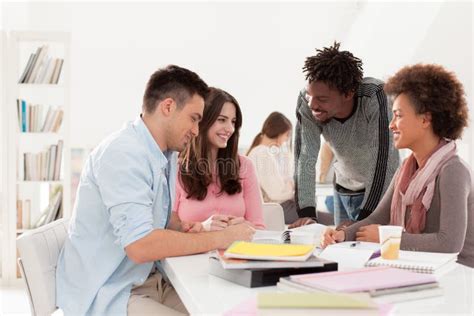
(125, 192)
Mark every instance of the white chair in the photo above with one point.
(38, 254)
(273, 216)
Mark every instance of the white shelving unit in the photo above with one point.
(3, 164)
(19, 46)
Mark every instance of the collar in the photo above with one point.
(163, 158)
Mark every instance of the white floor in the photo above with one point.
(14, 301)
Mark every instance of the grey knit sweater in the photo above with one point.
(362, 146)
(449, 221)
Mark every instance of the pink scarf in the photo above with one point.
(414, 187)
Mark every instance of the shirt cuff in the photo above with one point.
(130, 222)
(309, 211)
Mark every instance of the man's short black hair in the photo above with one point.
(173, 82)
(338, 69)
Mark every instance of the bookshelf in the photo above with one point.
(3, 164)
(36, 124)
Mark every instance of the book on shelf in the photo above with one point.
(233, 263)
(49, 71)
(42, 71)
(57, 71)
(42, 68)
(52, 212)
(19, 214)
(30, 117)
(28, 66)
(26, 217)
(45, 165)
(417, 261)
(57, 163)
(43, 51)
(58, 119)
(52, 161)
(47, 119)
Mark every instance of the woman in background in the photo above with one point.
(216, 186)
(432, 193)
(274, 165)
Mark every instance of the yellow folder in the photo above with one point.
(314, 300)
(250, 250)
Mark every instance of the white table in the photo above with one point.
(202, 293)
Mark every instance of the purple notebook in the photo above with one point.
(361, 280)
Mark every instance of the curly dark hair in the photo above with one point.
(173, 82)
(338, 69)
(433, 89)
(195, 170)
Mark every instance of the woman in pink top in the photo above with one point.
(215, 185)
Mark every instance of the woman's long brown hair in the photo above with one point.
(275, 125)
(195, 169)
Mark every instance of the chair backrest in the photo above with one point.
(38, 254)
(273, 216)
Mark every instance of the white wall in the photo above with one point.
(254, 51)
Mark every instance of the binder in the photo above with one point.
(365, 279)
(417, 261)
(262, 277)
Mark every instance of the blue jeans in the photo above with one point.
(346, 206)
(329, 202)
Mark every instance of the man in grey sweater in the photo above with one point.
(352, 113)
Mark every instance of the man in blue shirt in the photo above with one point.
(121, 225)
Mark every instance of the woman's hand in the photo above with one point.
(216, 222)
(368, 233)
(233, 220)
(302, 222)
(194, 227)
(331, 236)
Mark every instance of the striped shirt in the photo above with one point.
(365, 158)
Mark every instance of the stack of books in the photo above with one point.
(32, 120)
(384, 283)
(254, 264)
(43, 166)
(42, 68)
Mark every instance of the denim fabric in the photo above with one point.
(346, 206)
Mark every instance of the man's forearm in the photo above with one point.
(162, 243)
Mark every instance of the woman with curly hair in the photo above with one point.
(432, 193)
(216, 186)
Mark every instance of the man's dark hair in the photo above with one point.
(174, 82)
(338, 69)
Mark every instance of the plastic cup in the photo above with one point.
(390, 237)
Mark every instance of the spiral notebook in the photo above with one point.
(417, 261)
